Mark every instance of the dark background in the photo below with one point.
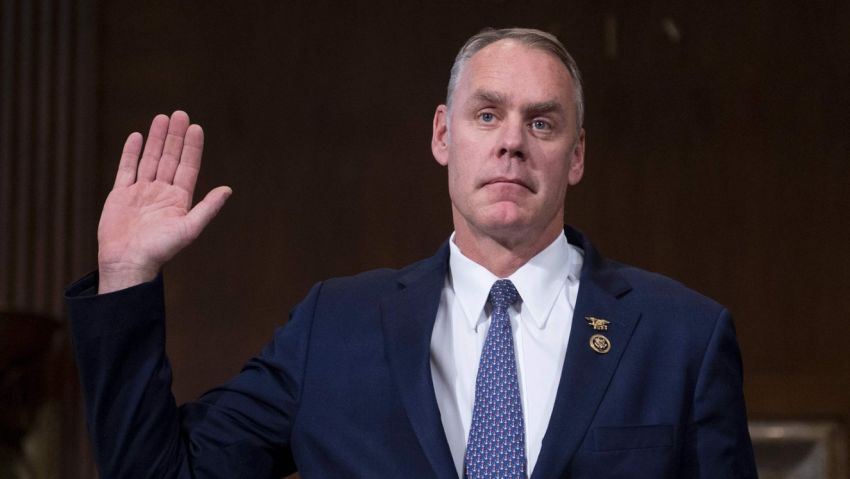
(717, 153)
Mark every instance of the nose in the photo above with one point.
(512, 140)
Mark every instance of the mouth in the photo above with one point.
(510, 181)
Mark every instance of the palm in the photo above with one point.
(148, 215)
(146, 220)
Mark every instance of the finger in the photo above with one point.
(203, 212)
(190, 160)
(126, 175)
(153, 148)
(173, 145)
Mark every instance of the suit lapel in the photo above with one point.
(408, 320)
(586, 373)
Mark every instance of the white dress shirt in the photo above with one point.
(541, 321)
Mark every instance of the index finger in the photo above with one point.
(190, 159)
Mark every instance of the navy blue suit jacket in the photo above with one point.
(344, 389)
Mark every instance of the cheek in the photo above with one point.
(554, 169)
(453, 176)
(554, 183)
(458, 180)
(460, 168)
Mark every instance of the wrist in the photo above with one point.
(116, 277)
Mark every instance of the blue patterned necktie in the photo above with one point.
(496, 445)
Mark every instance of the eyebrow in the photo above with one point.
(543, 107)
(488, 96)
(496, 98)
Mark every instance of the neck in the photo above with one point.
(503, 254)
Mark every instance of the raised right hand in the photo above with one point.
(148, 216)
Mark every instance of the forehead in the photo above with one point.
(519, 72)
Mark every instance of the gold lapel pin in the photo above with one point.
(598, 324)
(600, 344)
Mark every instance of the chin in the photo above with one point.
(505, 222)
(501, 219)
(506, 214)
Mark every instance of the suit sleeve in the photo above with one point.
(718, 442)
(239, 430)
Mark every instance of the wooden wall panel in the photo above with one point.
(731, 144)
(48, 193)
(48, 172)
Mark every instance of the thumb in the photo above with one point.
(203, 212)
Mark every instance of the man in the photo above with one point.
(515, 351)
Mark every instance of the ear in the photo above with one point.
(577, 160)
(439, 135)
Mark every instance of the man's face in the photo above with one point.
(510, 143)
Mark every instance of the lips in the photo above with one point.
(515, 181)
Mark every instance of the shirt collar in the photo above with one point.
(539, 281)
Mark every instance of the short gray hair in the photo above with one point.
(529, 37)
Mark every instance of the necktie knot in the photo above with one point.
(503, 294)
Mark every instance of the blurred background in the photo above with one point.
(718, 140)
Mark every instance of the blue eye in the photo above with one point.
(487, 117)
(540, 125)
